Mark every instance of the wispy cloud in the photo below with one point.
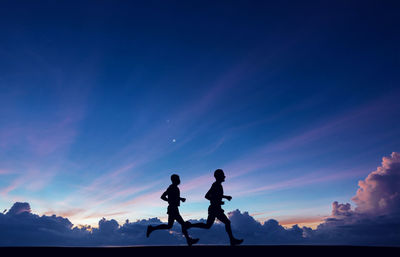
(4, 172)
(278, 151)
(308, 179)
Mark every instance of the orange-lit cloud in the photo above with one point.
(312, 222)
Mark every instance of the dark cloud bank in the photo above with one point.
(374, 221)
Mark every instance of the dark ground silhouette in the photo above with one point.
(200, 250)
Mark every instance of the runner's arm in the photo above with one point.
(227, 197)
(164, 196)
(209, 194)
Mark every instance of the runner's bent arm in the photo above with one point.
(164, 196)
(227, 197)
(209, 194)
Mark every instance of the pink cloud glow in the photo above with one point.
(379, 193)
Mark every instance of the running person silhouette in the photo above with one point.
(215, 196)
(172, 196)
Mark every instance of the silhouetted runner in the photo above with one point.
(172, 196)
(215, 196)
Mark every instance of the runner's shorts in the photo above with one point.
(215, 210)
(173, 210)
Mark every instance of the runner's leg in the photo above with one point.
(171, 220)
(180, 220)
(222, 217)
(207, 225)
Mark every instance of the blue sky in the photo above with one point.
(101, 102)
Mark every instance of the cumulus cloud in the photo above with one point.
(379, 193)
(341, 210)
(376, 217)
(374, 221)
(271, 232)
(20, 227)
(19, 208)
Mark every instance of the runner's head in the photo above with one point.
(175, 179)
(219, 175)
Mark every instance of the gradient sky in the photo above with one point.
(101, 102)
